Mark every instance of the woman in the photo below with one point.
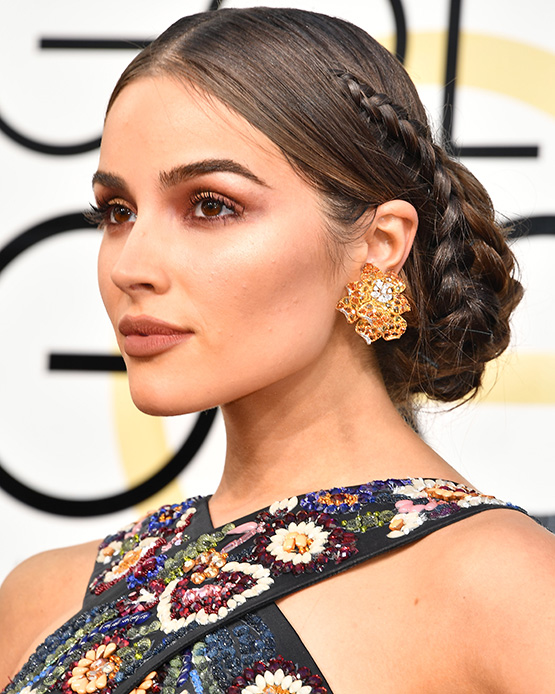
(260, 169)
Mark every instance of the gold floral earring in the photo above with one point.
(375, 303)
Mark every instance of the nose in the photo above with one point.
(141, 262)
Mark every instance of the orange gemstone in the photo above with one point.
(211, 571)
(396, 524)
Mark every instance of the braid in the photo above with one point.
(459, 271)
(408, 139)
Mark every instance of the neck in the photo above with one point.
(332, 424)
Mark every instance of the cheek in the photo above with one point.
(104, 274)
(288, 294)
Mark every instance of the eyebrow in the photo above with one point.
(109, 180)
(179, 174)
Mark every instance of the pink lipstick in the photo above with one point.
(147, 337)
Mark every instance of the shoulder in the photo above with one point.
(499, 570)
(37, 597)
(500, 545)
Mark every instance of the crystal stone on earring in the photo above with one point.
(382, 291)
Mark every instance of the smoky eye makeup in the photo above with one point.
(210, 206)
(113, 212)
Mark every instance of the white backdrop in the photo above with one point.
(74, 434)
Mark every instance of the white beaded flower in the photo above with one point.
(276, 683)
(298, 543)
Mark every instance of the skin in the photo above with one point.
(255, 287)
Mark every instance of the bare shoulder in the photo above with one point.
(37, 597)
(501, 566)
(505, 546)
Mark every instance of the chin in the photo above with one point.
(161, 407)
(160, 402)
(156, 409)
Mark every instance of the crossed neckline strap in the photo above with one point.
(346, 526)
(371, 546)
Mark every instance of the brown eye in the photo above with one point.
(120, 214)
(211, 208)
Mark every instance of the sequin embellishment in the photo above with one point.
(156, 587)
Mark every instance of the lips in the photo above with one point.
(146, 337)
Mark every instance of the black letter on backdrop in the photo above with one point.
(449, 101)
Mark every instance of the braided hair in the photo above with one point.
(348, 118)
(459, 271)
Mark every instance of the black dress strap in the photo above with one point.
(172, 581)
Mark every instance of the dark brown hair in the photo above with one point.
(346, 115)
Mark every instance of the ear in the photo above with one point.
(390, 235)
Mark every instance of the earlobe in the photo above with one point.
(391, 234)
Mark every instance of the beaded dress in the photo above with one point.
(176, 605)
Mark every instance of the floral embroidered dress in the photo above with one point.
(176, 605)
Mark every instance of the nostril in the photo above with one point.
(137, 286)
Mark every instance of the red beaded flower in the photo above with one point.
(301, 542)
(277, 676)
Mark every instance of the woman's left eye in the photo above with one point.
(210, 206)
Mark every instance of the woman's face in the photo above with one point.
(214, 266)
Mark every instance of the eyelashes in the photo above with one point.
(95, 214)
(203, 207)
(109, 213)
(212, 206)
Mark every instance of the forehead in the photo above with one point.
(163, 122)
